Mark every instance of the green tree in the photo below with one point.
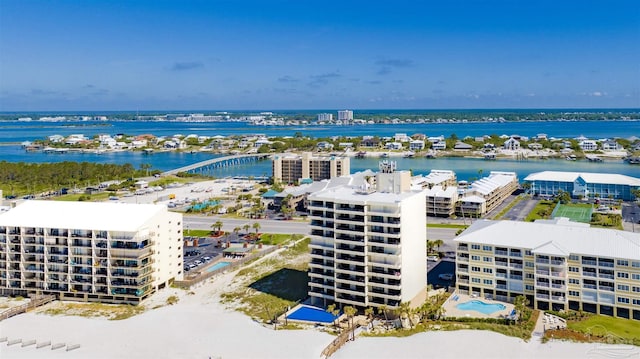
(217, 225)
(369, 313)
(333, 310)
(256, 226)
(406, 311)
(351, 312)
(520, 303)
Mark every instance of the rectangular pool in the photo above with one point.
(218, 266)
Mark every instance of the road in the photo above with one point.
(297, 227)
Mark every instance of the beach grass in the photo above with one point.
(102, 196)
(93, 310)
(272, 285)
(278, 239)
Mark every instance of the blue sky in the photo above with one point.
(226, 55)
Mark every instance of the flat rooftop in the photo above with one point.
(80, 215)
(589, 177)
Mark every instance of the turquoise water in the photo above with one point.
(312, 314)
(480, 306)
(218, 266)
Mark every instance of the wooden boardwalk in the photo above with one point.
(33, 303)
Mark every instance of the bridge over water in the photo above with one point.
(207, 167)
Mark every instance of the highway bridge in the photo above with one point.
(208, 166)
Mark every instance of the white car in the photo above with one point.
(433, 258)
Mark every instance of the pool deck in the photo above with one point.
(452, 311)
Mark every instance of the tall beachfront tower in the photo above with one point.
(346, 116)
(368, 242)
(90, 251)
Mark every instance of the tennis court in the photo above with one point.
(576, 213)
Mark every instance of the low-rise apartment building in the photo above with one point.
(556, 264)
(487, 193)
(583, 184)
(89, 251)
(368, 243)
(293, 168)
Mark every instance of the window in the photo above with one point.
(528, 253)
(475, 258)
(636, 301)
(635, 264)
(623, 262)
(475, 246)
(574, 269)
(623, 300)
(636, 289)
(574, 257)
(574, 293)
(574, 281)
(623, 275)
(635, 276)
(488, 281)
(487, 259)
(475, 280)
(475, 269)
(623, 287)
(528, 287)
(529, 264)
(529, 275)
(487, 270)
(487, 248)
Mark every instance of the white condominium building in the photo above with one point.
(325, 117)
(345, 115)
(487, 193)
(89, 251)
(368, 246)
(556, 264)
(293, 168)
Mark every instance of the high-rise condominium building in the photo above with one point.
(325, 117)
(345, 115)
(293, 168)
(556, 264)
(368, 246)
(90, 251)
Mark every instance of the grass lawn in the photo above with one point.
(92, 198)
(276, 239)
(603, 325)
(542, 210)
(446, 225)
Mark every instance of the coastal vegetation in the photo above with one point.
(586, 327)
(20, 178)
(91, 310)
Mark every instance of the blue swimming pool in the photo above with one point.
(218, 266)
(312, 314)
(480, 306)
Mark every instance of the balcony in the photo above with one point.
(501, 253)
(502, 264)
(463, 259)
(606, 264)
(556, 262)
(589, 274)
(515, 265)
(586, 262)
(516, 254)
(606, 276)
(501, 275)
(542, 296)
(542, 284)
(558, 286)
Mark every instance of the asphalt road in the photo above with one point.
(228, 224)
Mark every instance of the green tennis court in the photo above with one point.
(576, 213)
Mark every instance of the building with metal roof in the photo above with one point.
(585, 184)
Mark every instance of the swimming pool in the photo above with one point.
(312, 314)
(218, 266)
(480, 306)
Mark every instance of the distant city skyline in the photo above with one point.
(262, 55)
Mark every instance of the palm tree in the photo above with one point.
(438, 243)
(351, 312)
(331, 309)
(236, 230)
(383, 310)
(246, 227)
(405, 310)
(217, 225)
(256, 226)
(369, 313)
(430, 245)
(520, 303)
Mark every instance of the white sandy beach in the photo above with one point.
(200, 327)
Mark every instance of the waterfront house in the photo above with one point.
(511, 144)
(461, 146)
(56, 138)
(588, 145)
(611, 146)
(440, 145)
(370, 142)
(416, 145)
(401, 137)
(393, 146)
(534, 146)
(323, 145)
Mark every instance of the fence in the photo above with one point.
(204, 274)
